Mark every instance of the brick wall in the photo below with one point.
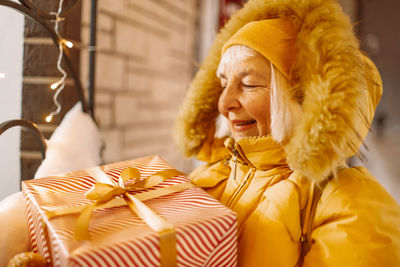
(145, 59)
(39, 72)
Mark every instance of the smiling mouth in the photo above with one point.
(241, 123)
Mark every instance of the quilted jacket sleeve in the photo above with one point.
(212, 177)
(356, 224)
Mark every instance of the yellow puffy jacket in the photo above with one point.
(356, 222)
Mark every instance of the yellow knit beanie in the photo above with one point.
(273, 38)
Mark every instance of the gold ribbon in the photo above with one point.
(104, 194)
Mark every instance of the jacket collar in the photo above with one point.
(261, 152)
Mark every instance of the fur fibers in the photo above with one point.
(337, 86)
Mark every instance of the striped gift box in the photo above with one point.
(206, 230)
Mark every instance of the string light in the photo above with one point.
(69, 44)
(54, 85)
(49, 118)
(2, 75)
(60, 84)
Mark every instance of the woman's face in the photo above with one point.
(245, 98)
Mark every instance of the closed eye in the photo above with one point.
(251, 86)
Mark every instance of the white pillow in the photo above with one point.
(74, 145)
(14, 232)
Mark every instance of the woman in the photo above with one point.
(298, 97)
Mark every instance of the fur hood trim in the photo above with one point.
(339, 86)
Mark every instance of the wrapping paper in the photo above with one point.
(206, 231)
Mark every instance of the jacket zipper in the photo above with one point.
(235, 161)
(249, 174)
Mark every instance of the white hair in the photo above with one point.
(285, 110)
(235, 52)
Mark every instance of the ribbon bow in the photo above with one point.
(107, 190)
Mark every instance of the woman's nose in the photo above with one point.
(228, 101)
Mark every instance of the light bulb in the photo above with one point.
(49, 118)
(68, 44)
(2, 75)
(54, 85)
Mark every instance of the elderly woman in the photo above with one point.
(297, 97)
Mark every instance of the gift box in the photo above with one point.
(140, 223)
